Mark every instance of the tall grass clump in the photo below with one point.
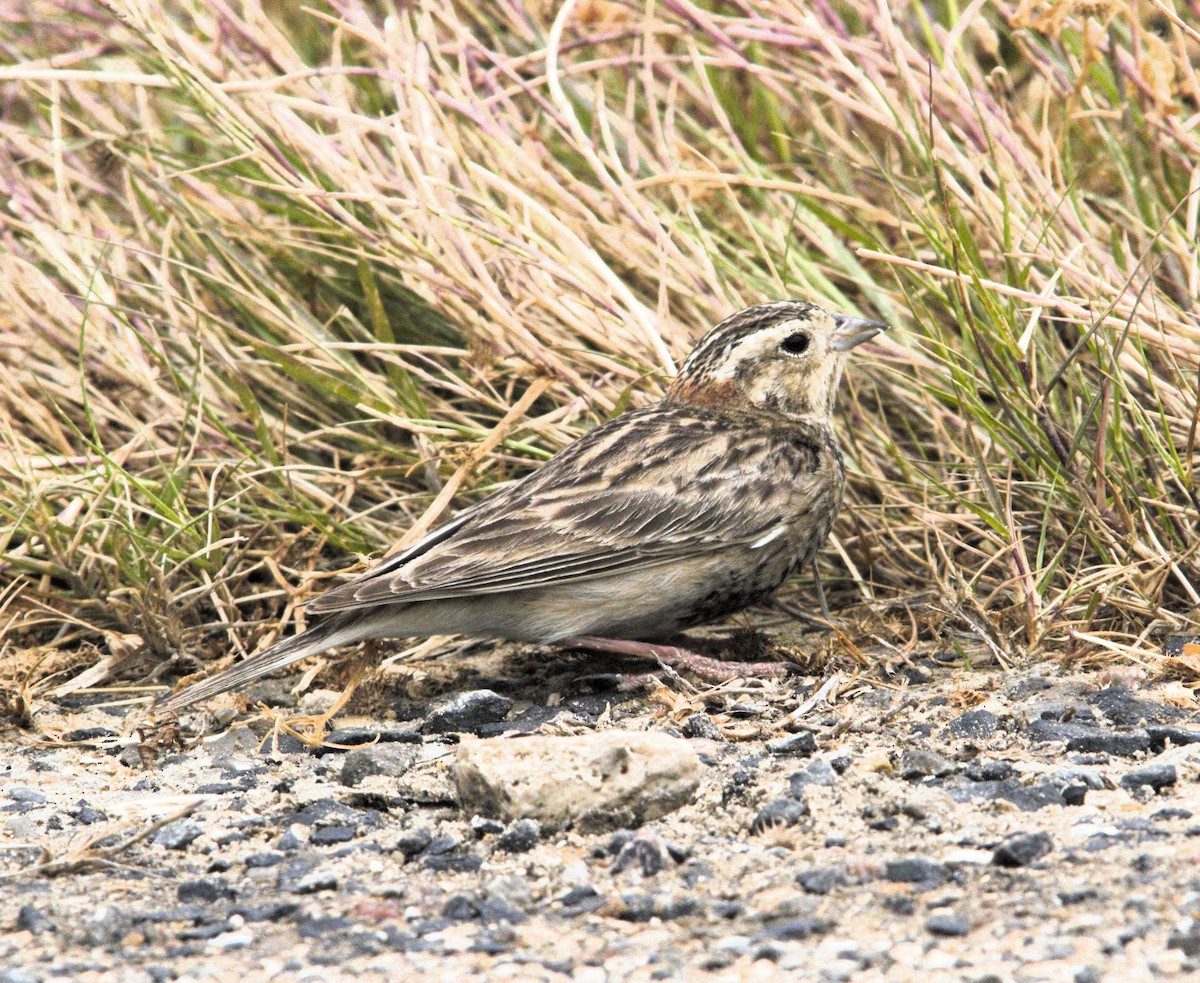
(280, 282)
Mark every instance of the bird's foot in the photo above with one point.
(707, 668)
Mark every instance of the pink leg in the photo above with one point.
(712, 670)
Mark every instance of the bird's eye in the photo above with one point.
(795, 344)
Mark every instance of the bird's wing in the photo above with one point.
(645, 489)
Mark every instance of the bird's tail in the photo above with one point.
(326, 634)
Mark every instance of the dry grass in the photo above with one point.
(273, 278)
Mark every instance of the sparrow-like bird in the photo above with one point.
(659, 520)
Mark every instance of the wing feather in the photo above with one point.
(581, 517)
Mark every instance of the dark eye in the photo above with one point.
(795, 344)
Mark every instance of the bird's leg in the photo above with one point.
(820, 590)
(712, 670)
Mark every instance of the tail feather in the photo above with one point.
(326, 634)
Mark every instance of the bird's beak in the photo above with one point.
(853, 331)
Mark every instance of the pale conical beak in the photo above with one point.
(853, 331)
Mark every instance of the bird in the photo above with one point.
(664, 518)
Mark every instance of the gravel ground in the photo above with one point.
(934, 821)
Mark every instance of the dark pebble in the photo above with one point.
(1123, 745)
(330, 812)
(270, 911)
(460, 908)
(317, 880)
(25, 795)
(580, 900)
(1022, 849)
(1027, 798)
(177, 835)
(440, 845)
(1123, 709)
(328, 835)
(796, 929)
(467, 712)
(207, 891)
(644, 853)
(289, 841)
(974, 725)
(1027, 687)
(267, 858)
(917, 870)
(1186, 936)
(728, 909)
(920, 763)
(412, 842)
(889, 824)
(376, 734)
(83, 813)
(86, 735)
(814, 773)
(31, 920)
(900, 904)
(1172, 812)
(106, 925)
(391, 760)
(702, 726)
(988, 770)
(1073, 795)
(521, 837)
(1078, 896)
(323, 928)
(822, 880)
(201, 933)
(459, 863)
(1157, 776)
(949, 926)
(1177, 736)
(801, 743)
(1174, 644)
(779, 812)
(482, 826)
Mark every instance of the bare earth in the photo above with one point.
(942, 823)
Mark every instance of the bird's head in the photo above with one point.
(783, 358)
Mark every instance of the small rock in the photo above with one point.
(797, 929)
(1157, 776)
(1022, 849)
(947, 925)
(1027, 798)
(206, 891)
(1123, 745)
(1124, 709)
(779, 812)
(481, 826)
(317, 880)
(802, 743)
(814, 773)
(412, 842)
(391, 760)
(822, 880)
(521, 837)
(604, 780)
(701, 725)
(917, 870)
(974, 725)
(25, 795)
(1186, 937)
(31, 920)
(467, 712)
(106, 925)
(266, 858)
(988, 770)
(460, 908)
(405, 732)
(177, 835)
(1177, 736)
(921, 763)
(644, 853)
(329, 835)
